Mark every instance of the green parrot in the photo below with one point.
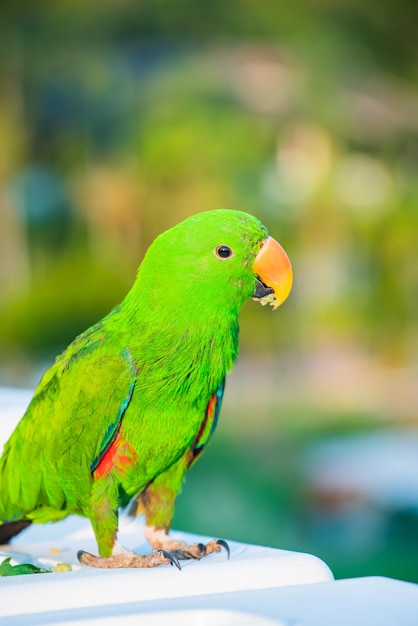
(129, 406)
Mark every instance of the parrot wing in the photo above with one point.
(71, 422)
(211, 419)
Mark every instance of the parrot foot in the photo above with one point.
(199, 550)
(129, 559)
(159, 539)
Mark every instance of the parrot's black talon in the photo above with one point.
(171, 557)
(224, 544)
(184, 554)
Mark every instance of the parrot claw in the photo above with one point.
(195, 551)
(223, 544)
(199, 550)
(170, 557)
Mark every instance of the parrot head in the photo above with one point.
(217, 259)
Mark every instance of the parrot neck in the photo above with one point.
(179, 347)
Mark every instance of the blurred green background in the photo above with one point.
(118, 119)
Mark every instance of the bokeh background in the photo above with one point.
(118, 119)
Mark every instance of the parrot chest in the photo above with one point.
(139, 461)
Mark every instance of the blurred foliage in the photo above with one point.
(120, 118)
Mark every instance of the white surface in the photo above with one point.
(356, 602)
(250, 567)
(192, 617)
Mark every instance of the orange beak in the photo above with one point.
(274, 272)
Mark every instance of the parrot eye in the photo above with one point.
(223, 252)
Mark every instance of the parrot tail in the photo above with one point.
(10, 529)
